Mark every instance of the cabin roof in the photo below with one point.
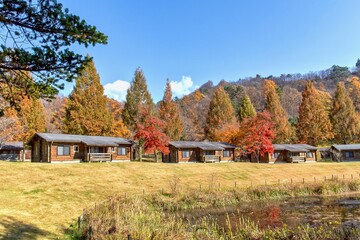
(12, 145)
(341, 147)
(201, 145)
(88, 140)
(294, 147)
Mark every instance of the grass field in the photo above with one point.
(41, 200)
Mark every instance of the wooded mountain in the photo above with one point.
(195, 105)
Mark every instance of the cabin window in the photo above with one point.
(76, 148)
(185, 154)
(309, 154)
(112, 149)
(275, 155)
(226, 153)
(63, 150)
(121, 151)
(349, 154)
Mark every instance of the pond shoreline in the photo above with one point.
(154, 215)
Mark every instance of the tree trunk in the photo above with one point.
(140, 153)
(156, 157)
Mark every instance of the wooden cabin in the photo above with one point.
(345, 152)
(288, 153)
(12, 151)
(191, 151)
(50, 147)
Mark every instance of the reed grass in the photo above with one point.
(157, 216)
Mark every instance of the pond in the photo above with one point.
(291, 212)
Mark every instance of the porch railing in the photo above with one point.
(99, 157)
(297, 159)
(9, 156)
(211, 158)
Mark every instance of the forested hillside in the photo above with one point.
(289, 88)
(317, 108)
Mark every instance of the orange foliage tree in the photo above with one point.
(283, 130)
(221, 112)
(259, 135)
(354, 90)
(119, 128)
(170, 114)
(150, 134)
(314, 126)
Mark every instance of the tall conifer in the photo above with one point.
(220, 113)
(354, 90)
(137, 97)
(283, 130)
(343, 117)
(246, 109)
(86, 111)
(314, 126)
(170, 114)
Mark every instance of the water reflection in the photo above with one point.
(291, 212)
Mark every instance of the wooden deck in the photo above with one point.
(99, 157)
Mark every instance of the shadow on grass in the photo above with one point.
(14, 229)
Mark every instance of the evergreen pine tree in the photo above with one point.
(220, 113)
(86, 111)
(283, 130)
(170, 114)
(314, 126)
(343, 117)
(137, 97)
(246, 109)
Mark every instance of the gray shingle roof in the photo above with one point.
(88, 140)
(294, 147)
(12, 145)
(342, 147)
(201, 145)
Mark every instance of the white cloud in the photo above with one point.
(182, 87)
(117, 90)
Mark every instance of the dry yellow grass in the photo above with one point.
(41, 200)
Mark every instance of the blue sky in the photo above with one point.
(193, 41)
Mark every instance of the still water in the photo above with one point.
(290, 212)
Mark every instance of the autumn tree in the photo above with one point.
(137, 97)
(343, 117)
(31, 117)
(170, 114)
(118, 129)
(150, 134)
(220, 112)
(259, 135)
(36, 36)
(282, 127)
(10, 127)
(314, 126)
(246, 109)
(86, 112)
(55, 114)
(354, 90)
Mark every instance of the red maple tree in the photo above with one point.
(150, 133)
(259, 135)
